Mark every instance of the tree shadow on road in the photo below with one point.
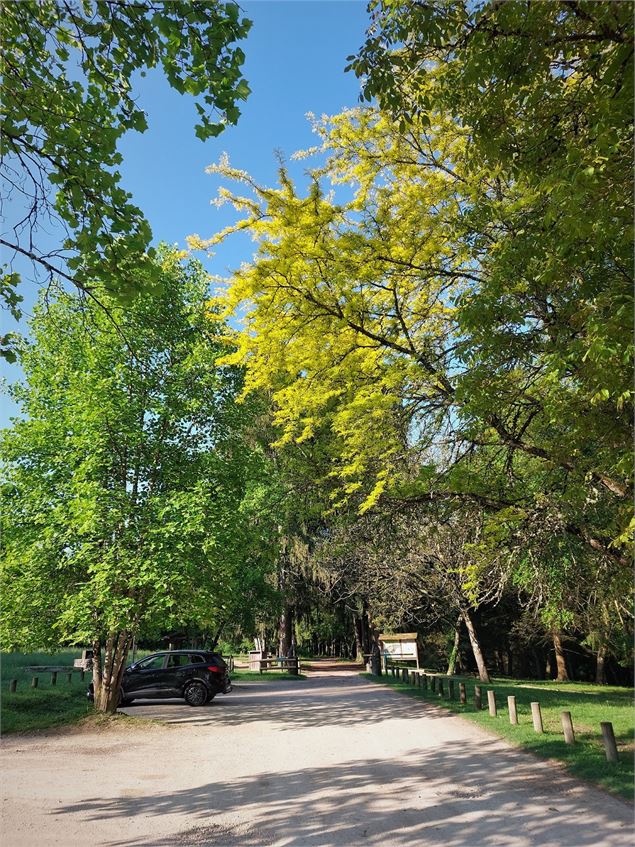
(455, 795)
(327, 701)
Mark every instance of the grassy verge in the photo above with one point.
(239, 675)
(588, 704)
(48, 705)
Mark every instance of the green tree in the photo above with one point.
(416, 324)
(130, 497)
(68, 71)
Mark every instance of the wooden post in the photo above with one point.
(536, 717)
(451, 689)
(433, 684)
(412, 678)
(69, 678)
(608, 737)
(440, 686)
(491, 702)
(13, 684)
(82, 673)
(567, 728)
(418, 680)
(462, 694)
(53, 677)
(513, 714)
(424, 681)
(34, 682)
(477, 697)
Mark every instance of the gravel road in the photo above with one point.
(332, 761)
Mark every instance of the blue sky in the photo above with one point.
(295, 57)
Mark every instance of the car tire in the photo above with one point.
(196, 694)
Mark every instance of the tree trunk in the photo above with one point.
(483, 674)
(285, 633)
(455, 647)
(107, 677)
(600, 669)
(561, 665)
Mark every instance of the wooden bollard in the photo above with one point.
(82, 674)
(53, 677)
(34, 682)
(440, 687)
(608, 737)
(451, 689)
(567, 728)
(513, 714)
(418, 680)
(462, 693)
(536, 717)
(404, 675)
(433, 684)
(491, 702)
(477, 698)
(424, 681)
(413, 680)
(69, 678)
(13, 684)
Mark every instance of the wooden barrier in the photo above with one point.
(451, 689)
(433, 684)
(567, 728)
(491, 702)
(292, 665)
(462, 693)
(34, 682)
(13, 684)
(424, 681)
(69, 678)
(608, 737)
(477, 698)
(53, 677)
(513, 714)
(440, 691)
(536, 717)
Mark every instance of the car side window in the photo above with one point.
(177, 661)
(196, 659)
(151, 663)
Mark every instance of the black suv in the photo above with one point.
(196, 675)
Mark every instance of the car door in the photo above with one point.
(177, 667)
(146, 679)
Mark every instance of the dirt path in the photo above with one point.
(332, 760)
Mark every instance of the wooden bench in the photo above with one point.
(292, 665)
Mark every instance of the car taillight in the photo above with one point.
(213, 668)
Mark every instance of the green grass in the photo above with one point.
(47, 705)
(588, 704)
(239, 675)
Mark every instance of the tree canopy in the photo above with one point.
(68, 76)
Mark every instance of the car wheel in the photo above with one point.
(196, 694)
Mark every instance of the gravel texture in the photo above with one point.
(332, 760)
